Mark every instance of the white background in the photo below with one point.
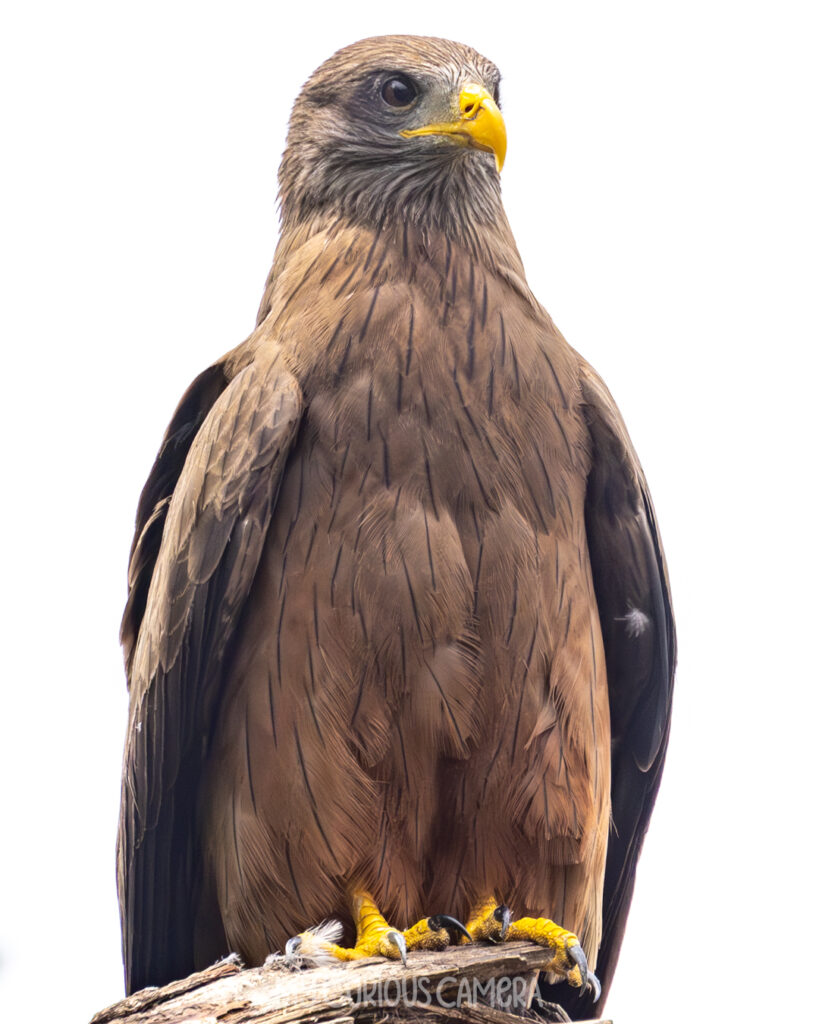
(662, 184)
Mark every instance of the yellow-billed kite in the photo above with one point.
(398, 635)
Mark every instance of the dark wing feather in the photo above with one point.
(630, 577)
(196, 403)
(213, 527)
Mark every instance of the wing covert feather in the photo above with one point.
(156, 495)
(215, 523)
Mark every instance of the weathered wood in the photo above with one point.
(453, 986)
(147, 997)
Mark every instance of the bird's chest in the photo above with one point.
(456, 409)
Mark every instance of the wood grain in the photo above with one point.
(362, 992)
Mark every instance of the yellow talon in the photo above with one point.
(375, 937)
(544, 932)
(490, 921)
(422, 936)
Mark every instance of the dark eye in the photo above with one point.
(398, 91)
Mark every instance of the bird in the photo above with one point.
(398, 637)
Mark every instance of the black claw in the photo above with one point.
(589, 978)
(452, 925)
(293, 945)
(576, 953)
(504, 915)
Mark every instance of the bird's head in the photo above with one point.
(405, 127)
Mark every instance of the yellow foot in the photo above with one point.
(375, 937)
(489, 921)
(492, 922)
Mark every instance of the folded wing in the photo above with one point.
(201, 525)
(636, 617)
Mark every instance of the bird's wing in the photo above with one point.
(156, 496)
(637, 622)
(202, 523)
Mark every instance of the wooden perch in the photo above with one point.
(454, 986)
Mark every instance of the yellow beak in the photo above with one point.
(480, 125)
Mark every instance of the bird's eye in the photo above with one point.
(398, 91)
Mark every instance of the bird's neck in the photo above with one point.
(490, 244)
